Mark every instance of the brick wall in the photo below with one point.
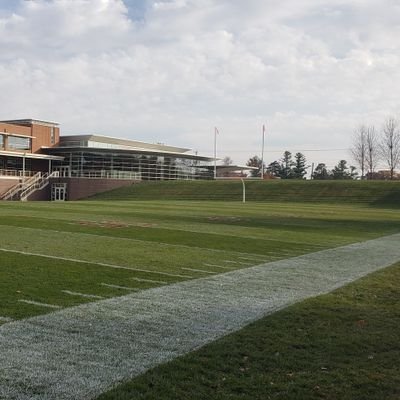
(80, 188)
(7, 183)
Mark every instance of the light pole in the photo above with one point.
(215, 152)
(262, 152)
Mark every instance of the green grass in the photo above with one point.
(185, 239)
(378, 193)
(344, 345)
(318, 349)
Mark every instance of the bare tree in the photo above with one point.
(372, 150)
(390, 144)
(227, 161)
(359, 148)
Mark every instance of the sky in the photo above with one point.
(169, 71)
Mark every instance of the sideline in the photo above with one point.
(80, 352)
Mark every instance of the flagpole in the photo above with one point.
(262, 152)
(215, 152)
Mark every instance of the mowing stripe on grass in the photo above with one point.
(89, 296)
(53, 356)
(37, 303)
(26, 253)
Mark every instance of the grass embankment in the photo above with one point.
(344, 345)
(160, 242)
(384, 193)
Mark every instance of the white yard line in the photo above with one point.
(148, 280)
(199, 270)
(89, 296)
(26, 253)
(37, 303)
(109, 285)
(148, 242)
(53, 356)
(219, 266)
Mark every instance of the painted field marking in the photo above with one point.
(147, 242)
(218, 266)
(26, 253)
(119, 287)
(89, 296)
(198, 270)
(37, 303)
(148, 280)
(5, 319)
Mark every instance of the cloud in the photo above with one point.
(170, 71)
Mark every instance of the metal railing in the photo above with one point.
(38, 184)
(14, 192)
(13, 173)
(26, 187)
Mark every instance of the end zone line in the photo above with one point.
(26, 253)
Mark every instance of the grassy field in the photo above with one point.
(57, 255)
(106, 249)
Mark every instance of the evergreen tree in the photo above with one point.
(341, 171)
(275, 169)
(321, 172)
(287, 164)
(299, 169)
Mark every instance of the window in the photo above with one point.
(52, 136)
(19, 143)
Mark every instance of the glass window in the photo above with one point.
(19, 143)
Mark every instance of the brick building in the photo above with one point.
(36, 163)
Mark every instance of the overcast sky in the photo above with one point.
(169, 71)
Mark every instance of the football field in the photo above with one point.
(54, 256)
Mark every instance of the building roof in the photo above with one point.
(30, 155)
(117, 143)
(109, 144)
(29, 122)
(61, 150)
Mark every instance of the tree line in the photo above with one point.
(289, 167)
(369, 147)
